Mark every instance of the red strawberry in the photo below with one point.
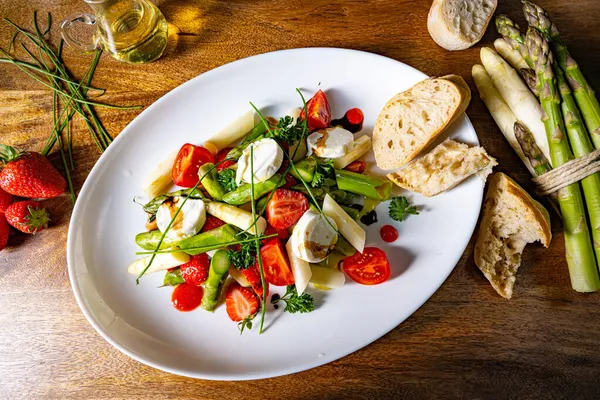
(221, 155)
(211, 223)
(240, 302)
(29, 175)
(27, 216)
(5, 200)
(4, 232)
(195, 271)
(252, 275)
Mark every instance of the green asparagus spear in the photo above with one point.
(580, 256)
(255, 134)
(537, 160)
(344, 247)
(364, 185)
(352, 212)
(242, 194)
(511, 32)
(305, 168)
(581, 145)
(211, 240)
(173, 278)
(584, 95)
(149, 240)
(219, 269)
(531, 150)
(210, 182)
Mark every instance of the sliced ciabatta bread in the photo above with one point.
(413, 119)
(511, 219)
(459, 24)
(448, 164)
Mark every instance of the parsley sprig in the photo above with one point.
(294, 303)
(243, 258)
(287, 131)
(400, 208)
(227, 179)
(323, 170)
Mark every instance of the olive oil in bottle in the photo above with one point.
(134, 31)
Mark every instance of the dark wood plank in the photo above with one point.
(465, 342)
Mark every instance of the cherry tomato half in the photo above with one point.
(189, 159)
(388, 233)
(319, 112)
(370, 267)
(356, 166)
(276, 265)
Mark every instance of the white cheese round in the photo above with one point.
(330, 143)
(268, 157)
(189, 221)
(313, 237)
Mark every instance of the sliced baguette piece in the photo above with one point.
(413, 119)
(511, 219)
(459, 24)
(448, 164)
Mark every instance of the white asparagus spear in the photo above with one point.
(501, 112)
(517, 95)
(511, 55)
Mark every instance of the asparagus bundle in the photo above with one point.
(582, 91)
(580, 255)
(567, 101)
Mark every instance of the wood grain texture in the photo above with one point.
(465, 342)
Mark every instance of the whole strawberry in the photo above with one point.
(5, 200)
(29, 174)
(4, 232)
(27, 216)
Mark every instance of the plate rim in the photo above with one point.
(71, 257)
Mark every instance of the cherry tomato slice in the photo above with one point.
(319, 112)
(220, 156)
(189, 159)
(356, 166)
(285, 208)
(369, 268)
(275, 263)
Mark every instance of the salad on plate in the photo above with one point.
(267, 202)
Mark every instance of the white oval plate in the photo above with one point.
(140, 320)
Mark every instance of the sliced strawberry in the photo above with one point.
(222, 155)
(211, 223)
(195, 271)
(285, 208)
(5, 200)
(27, 216)
(281, 233)
(240, 302)
(252, 275)
(4, 232)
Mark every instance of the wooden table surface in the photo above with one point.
(465, 342)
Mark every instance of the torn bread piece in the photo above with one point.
(444, 167)
(511, 219)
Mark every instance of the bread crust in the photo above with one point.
(385, 128)
(449, 37)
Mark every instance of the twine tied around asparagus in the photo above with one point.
(570, 172)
